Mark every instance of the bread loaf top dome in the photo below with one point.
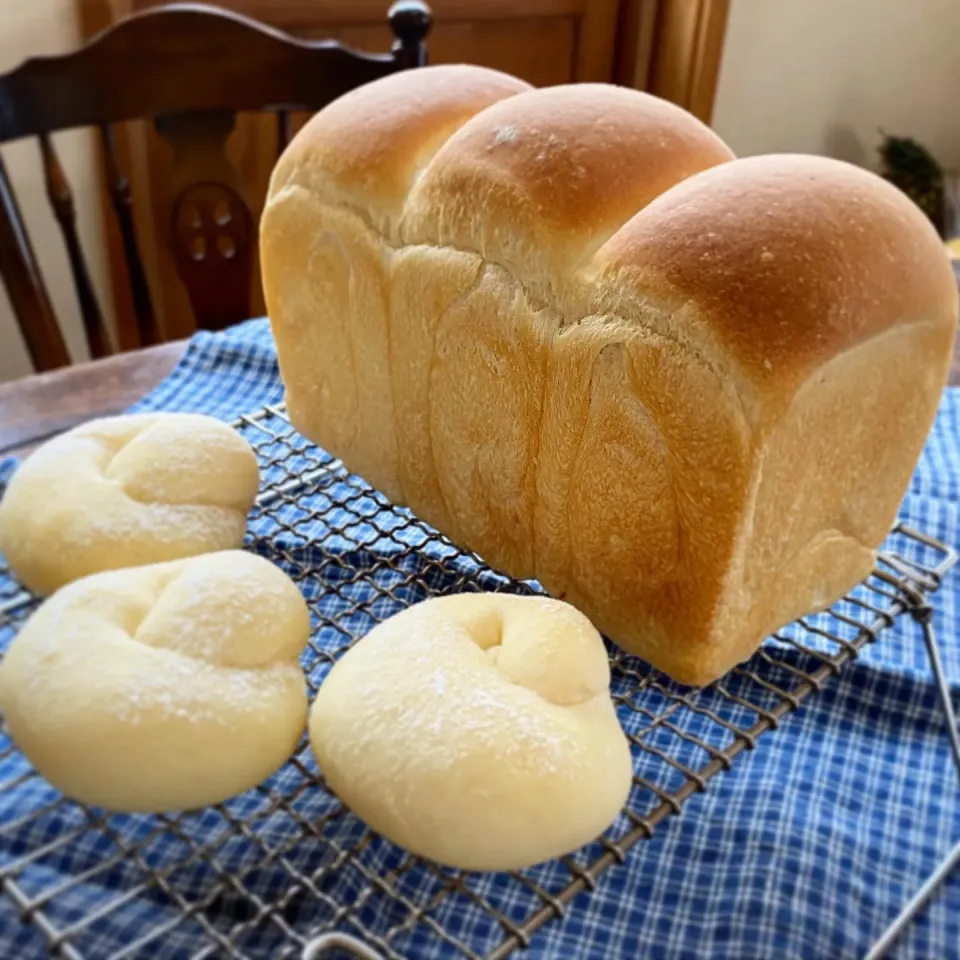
(599, 199)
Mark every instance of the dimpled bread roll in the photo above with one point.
(162, 687)
(126, 491)
(566, 327)
(476, 730)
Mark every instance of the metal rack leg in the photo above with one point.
(925, 617)
(344, 942)
(922, 612)
(882, 947)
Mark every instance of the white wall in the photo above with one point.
(822, 76)
(28, 28)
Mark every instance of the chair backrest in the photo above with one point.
(190, 68)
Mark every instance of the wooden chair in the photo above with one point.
(190, 68)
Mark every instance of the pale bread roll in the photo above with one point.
(566, 327)
(126, 491)
(476, 730)
(163, 687)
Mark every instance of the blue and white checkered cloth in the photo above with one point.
(808, 848)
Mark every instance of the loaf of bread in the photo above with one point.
(565, 326)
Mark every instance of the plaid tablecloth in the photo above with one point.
(807, 848)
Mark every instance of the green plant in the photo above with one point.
(911, 167)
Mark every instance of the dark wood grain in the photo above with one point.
(64, 209)
(189, 68)
(39, 407)
(21, 273)
(118, 187)
(179, 58)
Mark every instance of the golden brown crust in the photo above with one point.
(367, 147)
(789, 259)
(538, 181)
(668, 399)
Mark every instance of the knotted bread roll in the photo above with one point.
(565, 326)
(476, 730)
(126, 491)
(162, 687)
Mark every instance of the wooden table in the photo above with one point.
(36, 408)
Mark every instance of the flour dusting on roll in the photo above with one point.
(126, 491)
(162, 687)
(476, 730)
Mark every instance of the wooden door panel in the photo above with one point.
(540, 51)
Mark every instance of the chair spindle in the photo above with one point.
(64, 209)
(122, 201)
(24, 282)
(283, 130)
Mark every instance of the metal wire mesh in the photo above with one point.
(265, 873)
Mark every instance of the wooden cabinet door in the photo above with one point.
(543, 41)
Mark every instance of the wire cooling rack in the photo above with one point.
(284, 870)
